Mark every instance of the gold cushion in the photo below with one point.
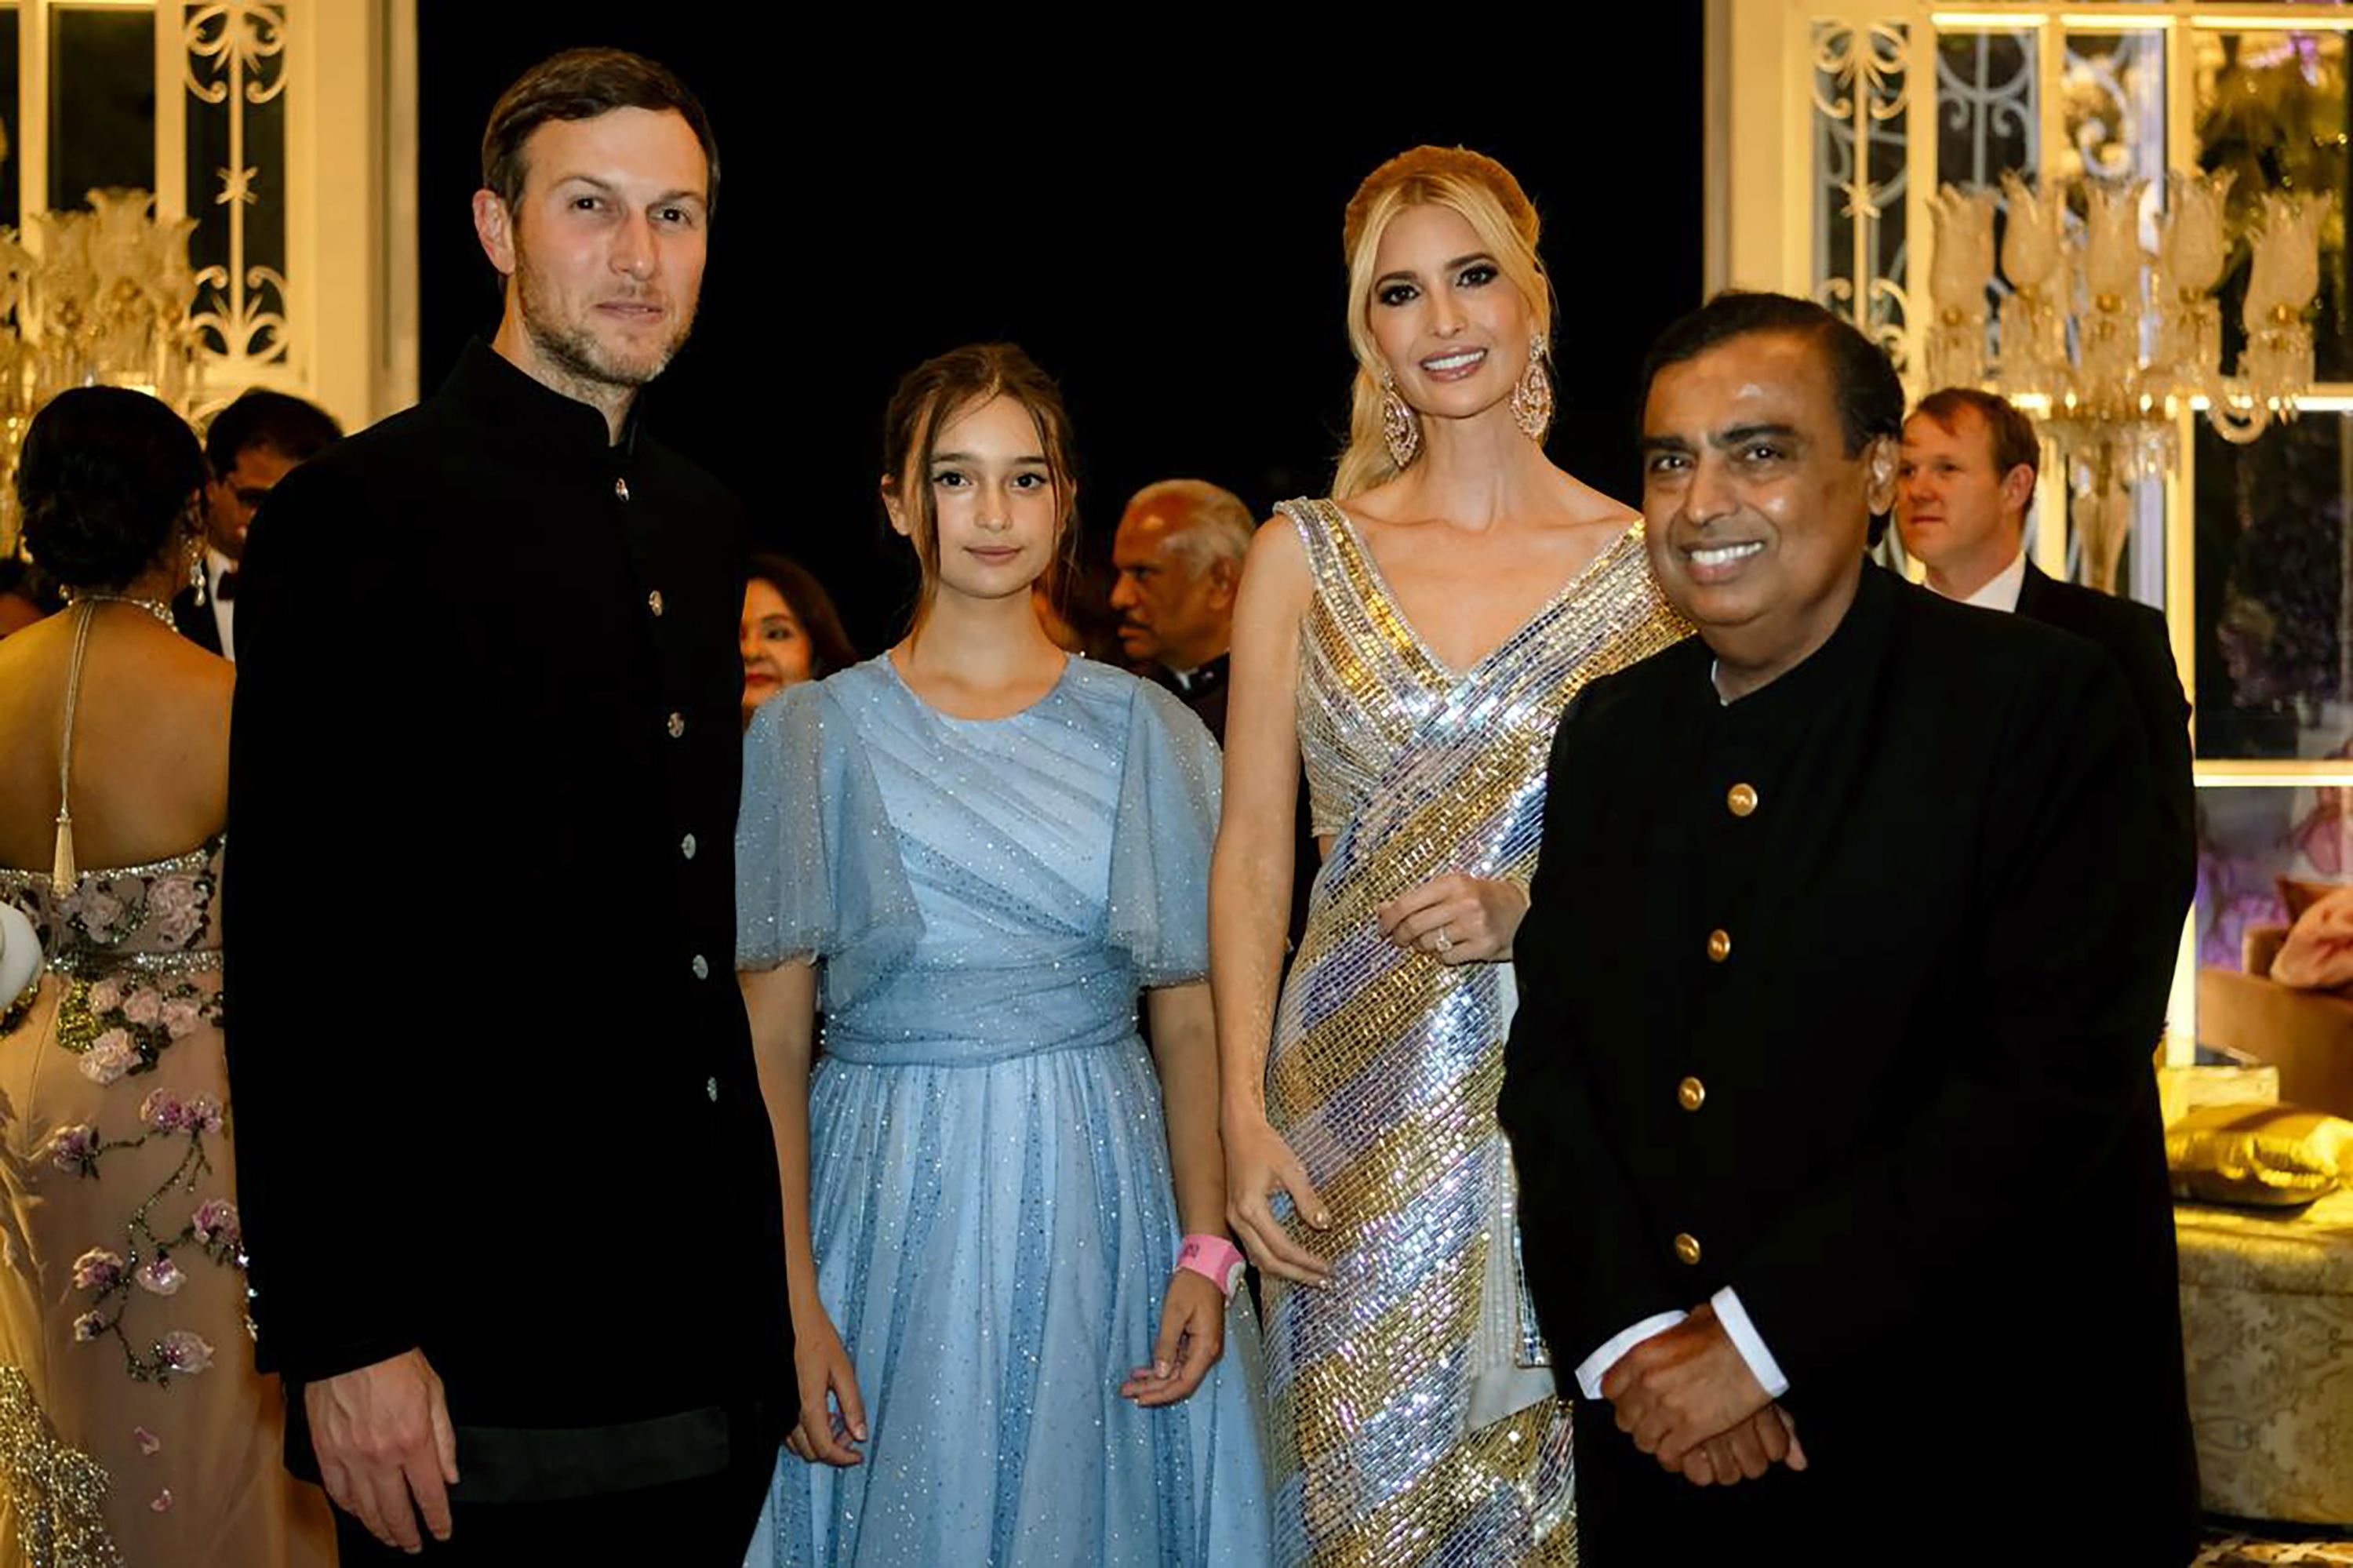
(2269, 1155)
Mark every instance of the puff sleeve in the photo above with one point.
(1165, 825)
(818, 870)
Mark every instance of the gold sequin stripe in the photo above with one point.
(1409, 1157)
(1322, 1410)
(1419, 1520)
(58, 1492)
(1371, 599)
(1336, 648)
(1471, 805)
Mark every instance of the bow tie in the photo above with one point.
(225, 586)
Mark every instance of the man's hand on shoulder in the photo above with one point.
(383, 1436)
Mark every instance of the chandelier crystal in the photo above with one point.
(2108, 340)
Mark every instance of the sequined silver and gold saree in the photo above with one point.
(1413, 1410)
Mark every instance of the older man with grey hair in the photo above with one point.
(1180, 554)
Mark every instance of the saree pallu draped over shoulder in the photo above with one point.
(1412, 1405)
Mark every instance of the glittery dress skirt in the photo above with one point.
(1412, 1412)
(133, 1427)
(991, 1201)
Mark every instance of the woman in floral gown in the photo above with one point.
(133, 1428)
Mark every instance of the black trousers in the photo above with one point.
(702, 1523)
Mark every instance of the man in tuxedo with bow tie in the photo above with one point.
(1179, 552)
(250, 446)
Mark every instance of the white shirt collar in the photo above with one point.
(2001, 591)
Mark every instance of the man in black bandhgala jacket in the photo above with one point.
(1831, 1084)
(510, 1194)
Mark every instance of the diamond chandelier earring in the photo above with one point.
(199, 577)
(1532, 395)
(1401, 427)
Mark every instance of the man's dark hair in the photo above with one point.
(295, 431)
(2013, 433)
(1863, 381)
(581, 84)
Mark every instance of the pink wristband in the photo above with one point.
(1214, 1258)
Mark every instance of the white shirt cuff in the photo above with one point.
(1595, 1367)
(1748, 1342)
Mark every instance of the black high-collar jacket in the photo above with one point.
(493, 1086)
(1843, 996)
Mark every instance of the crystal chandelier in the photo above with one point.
(91, 298)
(2108, 340)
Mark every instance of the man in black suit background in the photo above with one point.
(1178, 551)
(1830, 1087)
(250, 446)
(1964, 483)
(510, 1191)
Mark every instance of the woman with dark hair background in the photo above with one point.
(790, 632)
(126, 1380)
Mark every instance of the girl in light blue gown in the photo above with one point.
(981, 851)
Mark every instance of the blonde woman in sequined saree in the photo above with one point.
(1412, 642)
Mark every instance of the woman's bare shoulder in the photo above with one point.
(1277, 562)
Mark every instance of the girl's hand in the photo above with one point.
(1192, 1337)
(1257, 1163)
(822, 1367)
(1455, 918)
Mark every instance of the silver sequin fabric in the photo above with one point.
(1412, 1410)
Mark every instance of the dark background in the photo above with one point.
(1163, 234)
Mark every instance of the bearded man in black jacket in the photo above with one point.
(1830, 1084)
(509, 1195)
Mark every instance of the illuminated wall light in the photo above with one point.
(1992, 19)
(2303, 22)
(2271, 775)
(2115, 24)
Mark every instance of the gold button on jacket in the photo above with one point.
(1741, 799)
(1691, 1094)
(1719, 945)
(1687, 1247)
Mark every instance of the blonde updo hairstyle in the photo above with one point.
(1492, 202)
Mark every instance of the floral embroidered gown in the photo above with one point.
(133, 1428)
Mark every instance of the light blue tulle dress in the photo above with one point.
(990, 1183)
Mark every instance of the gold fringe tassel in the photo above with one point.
(64, 873)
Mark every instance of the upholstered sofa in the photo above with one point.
(2307, 1035)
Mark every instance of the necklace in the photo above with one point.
(155, 607)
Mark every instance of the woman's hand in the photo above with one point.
(822, 1367)
(1457, 919)
(1257, 1163)
(1192, 1338)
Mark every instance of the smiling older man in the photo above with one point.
(1830, 1085)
